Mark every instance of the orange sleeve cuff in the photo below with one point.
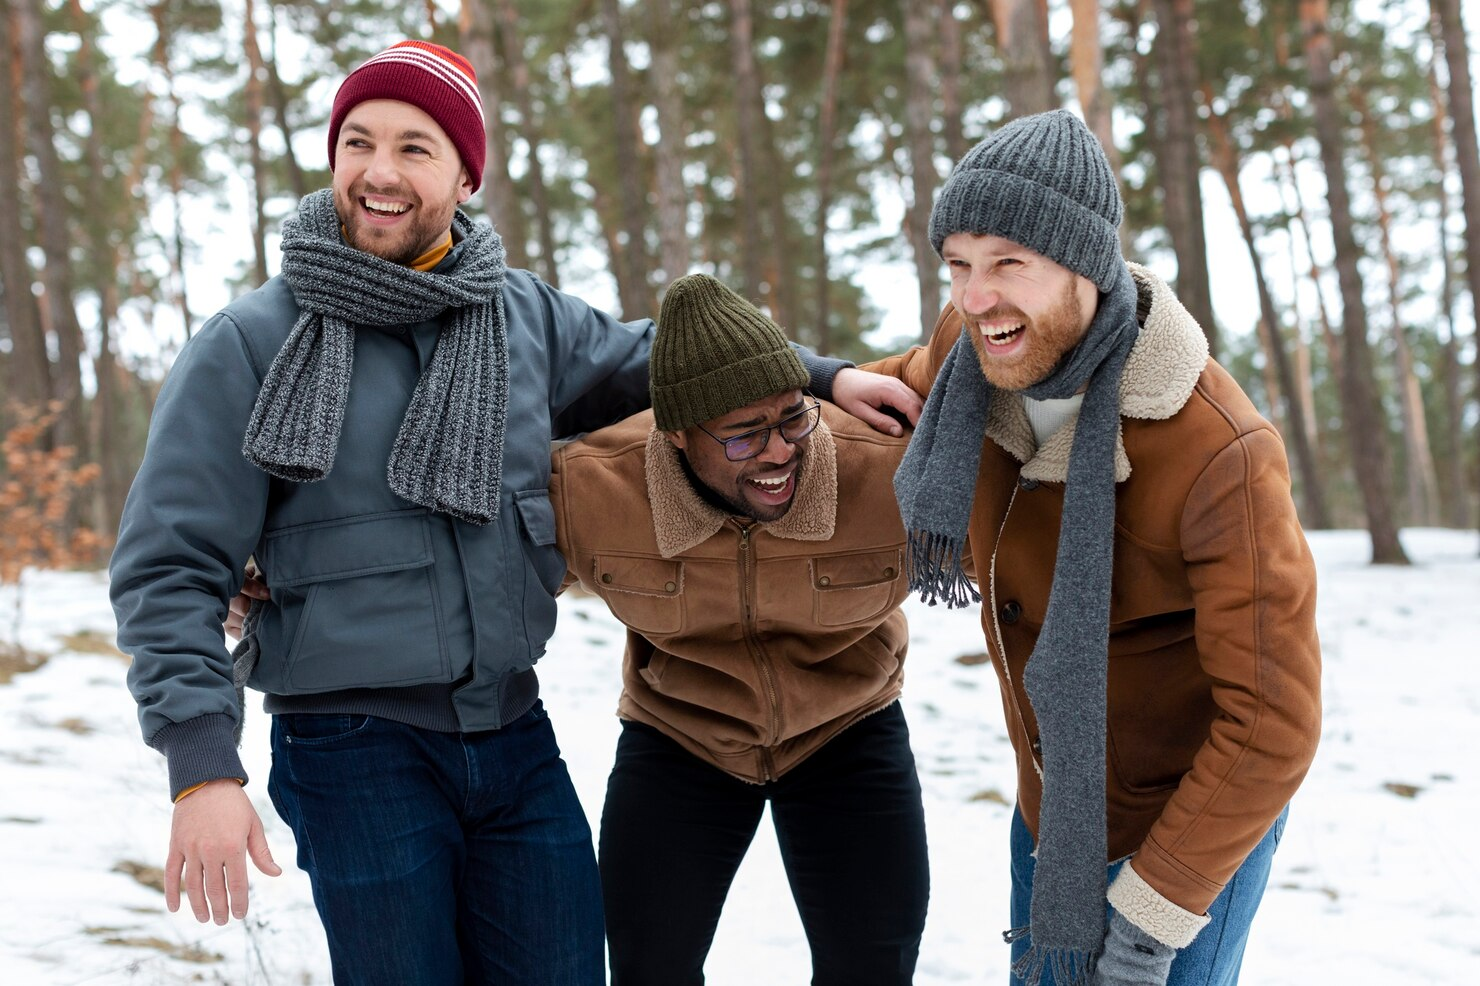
(191, 790)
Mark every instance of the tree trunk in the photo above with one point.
(951, 58)
(1313, 497)
(832, 70)
(1087, 66)
(1179, 164)
(1364, 424)
(923, 176)
(1457, 507)
(1315, 271)
(1422, 477)
(747, 102)
(254, 142)
(475, 29)
(52, 222)
(782, 277)
(30, 370)
(668, 155)
(631, 267)
(1466, 148)
(508, 18)
(1027, 60)
(280, 108)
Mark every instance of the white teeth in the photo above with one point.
(379, 205)
(1000, 335)
(772, 485)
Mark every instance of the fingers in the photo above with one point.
(878, 421)
(215, 888)
(172, 865)
(236, 887)
(255, 588)
(261, 855)
(195, 890)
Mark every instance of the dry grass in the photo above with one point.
(92, 642)
(15, 660)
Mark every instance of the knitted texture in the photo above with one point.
(715, 352)
(1043, 182)
(436, 80)
(1132, 957)
(448, 455)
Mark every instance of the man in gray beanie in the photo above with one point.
(1148, 596)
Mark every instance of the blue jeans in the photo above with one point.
(441, 859)
(1214, 957)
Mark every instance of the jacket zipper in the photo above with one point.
(747, 597)
(997, 632)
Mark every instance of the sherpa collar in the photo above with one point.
(1160, 374)
(683, 519)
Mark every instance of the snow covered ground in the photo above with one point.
(1375, 881)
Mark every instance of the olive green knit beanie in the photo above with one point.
(715, 352)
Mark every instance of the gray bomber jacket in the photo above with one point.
(368, 590)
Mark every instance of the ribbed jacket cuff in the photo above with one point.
(199, 750)
(820, 371)
(1140, 904)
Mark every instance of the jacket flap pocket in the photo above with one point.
(646, 576)
(348, 547)
(536, 515)
(856, 570)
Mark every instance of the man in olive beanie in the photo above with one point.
(1148, 596)
(746, 535)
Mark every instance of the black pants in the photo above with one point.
(851, 827)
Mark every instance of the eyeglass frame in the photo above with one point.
(745, 435)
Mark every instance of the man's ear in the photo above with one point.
(678, 438)
(464, 187)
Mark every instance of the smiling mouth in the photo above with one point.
(1002, 335)
(777, 486)
(384, 208)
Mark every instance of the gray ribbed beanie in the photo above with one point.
(714, 352)
(1041, 181)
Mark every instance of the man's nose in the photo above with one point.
(777, 450)
(381, 170)
(979, 296)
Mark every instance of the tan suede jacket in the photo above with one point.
(1214, 679)
(749, 644)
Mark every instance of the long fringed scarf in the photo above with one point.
(448, 454)
(1066, 674)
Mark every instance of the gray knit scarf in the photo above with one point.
(448, 455)
(1066, 673)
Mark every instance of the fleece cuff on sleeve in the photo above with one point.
(1148, 910)
(199, 750)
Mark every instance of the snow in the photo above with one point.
(1374, 882)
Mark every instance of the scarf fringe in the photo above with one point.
(1068, 967)
(935, 570)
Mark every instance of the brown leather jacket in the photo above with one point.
(749, 644)
(1214, 679)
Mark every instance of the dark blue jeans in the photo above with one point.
(851, 828)
(1214, 957)
(441, 859)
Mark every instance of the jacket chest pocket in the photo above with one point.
(646, 594)
(857, 588)
(368, 613)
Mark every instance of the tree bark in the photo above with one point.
(951, 58)
(923, 176)
(254, 142)
(631, 263)
(508, 18)
(1422, 477)
(1179, 164)
(30, 370)
(1314, 270)
(675, 251)
(1364, 424)
(162, 44)
(1087, 66)
(280, 108)
(1027, 59)
(52, 223)
(747, 103)
(1313, 497)
(1457, 506)
(832, 70)
(1466, 148)
(475, 30)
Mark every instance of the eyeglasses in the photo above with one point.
(793, 428)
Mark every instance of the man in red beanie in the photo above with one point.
(353, 425)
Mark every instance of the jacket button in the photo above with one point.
(1010, 611)
(1027, 484)
(824, 581)
(606, 578)
(669, 586)
(1037, 746)
(888, 573)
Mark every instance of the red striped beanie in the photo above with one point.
(436, 80)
